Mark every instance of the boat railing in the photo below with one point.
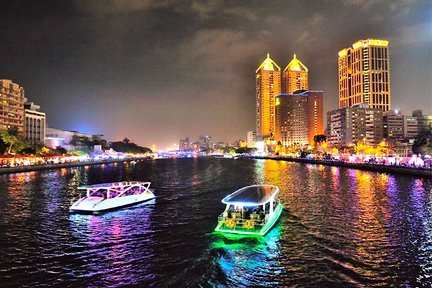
(239, 223)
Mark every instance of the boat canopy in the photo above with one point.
(114, 185)
(252, 195)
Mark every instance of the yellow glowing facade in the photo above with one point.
(268, 86)
(299, 117)
(12, 99)
(295, 77)
(364, 75)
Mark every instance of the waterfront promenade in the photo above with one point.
(38, 167)
(394, 169)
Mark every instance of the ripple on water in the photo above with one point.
(340, 228)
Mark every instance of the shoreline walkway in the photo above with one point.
(411, 171)
(30, 168)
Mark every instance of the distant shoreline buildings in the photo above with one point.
(30, 123)
(289, 114)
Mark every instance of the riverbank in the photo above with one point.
(411, 171)
(29, 168)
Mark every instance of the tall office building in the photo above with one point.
(364, 75)
(268, 86)
(12, 101)
(315, 114)
(299, 117)
(291, 119)
(295, 77)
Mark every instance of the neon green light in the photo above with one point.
(267, 227)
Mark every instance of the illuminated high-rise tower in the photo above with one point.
(364, 75)
(299, 117)
(295, 77)
(268, 86)
(12, 99)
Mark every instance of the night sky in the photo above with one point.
(156, 71)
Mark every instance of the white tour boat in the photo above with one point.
(251, 210)
(107, 196)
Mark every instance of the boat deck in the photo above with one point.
(251, 225)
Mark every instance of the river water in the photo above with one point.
(340, 228)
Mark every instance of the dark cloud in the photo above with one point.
(156, 71)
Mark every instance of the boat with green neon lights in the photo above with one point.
(251, 210)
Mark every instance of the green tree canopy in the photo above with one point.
(128, 147)
(15, 143)
(319, 139)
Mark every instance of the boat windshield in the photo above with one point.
(118, 189)
(251, 212)
(98, 193)
(252, 195)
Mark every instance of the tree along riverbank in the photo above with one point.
(394, 169)
(29, 168)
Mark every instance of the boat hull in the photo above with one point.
(90, 205)
(252, 232)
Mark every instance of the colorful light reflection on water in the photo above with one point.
(340, 228)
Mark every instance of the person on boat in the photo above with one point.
(261, 214)
(230, 211)
(246, 213)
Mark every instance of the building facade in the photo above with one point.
(268, 86)
(393, 126)
(62, 138)
(337, 132)
(424, 123)
(315, 114)
(251, 139)
(299, 117)
(12, 99)
(295, 77)
(358, 124)
(291, 119)
(364, 75)
(184, 144)
(411, 128)
(35, 124)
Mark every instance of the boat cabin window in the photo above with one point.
(267, 207)
(132, 191)
(245, 212)
(98, 193)
(114, 193)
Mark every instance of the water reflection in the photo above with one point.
(248, 261)
(341, 228)
(117, 240)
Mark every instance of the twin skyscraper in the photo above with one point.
(286, 111)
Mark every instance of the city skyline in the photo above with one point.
(156, 72)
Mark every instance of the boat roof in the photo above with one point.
(114, 185)
(252, 195)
